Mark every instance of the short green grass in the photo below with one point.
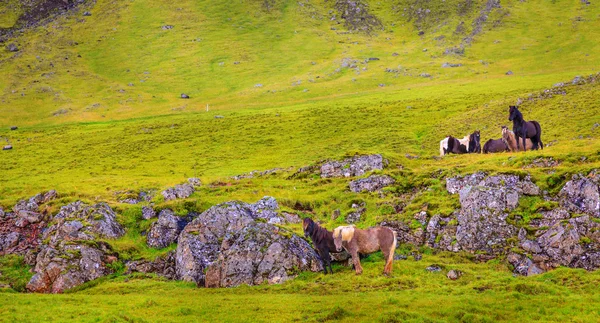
(108, 138)
(485, 293)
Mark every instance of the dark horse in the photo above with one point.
(525, 129)
(322, 240)
(467, 145)
(495, 146)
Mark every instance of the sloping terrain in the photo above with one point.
(279, 85)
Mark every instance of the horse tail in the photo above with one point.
(392, 248)
(538, 135)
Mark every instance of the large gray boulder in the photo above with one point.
(355, 166)
(371, 184)
(233, 243)
(166, 230)
(71, 254)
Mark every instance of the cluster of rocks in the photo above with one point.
(256, 173)
(560, 88)
(183, 190)
(131, 197)
(566, 236)
(355, 166)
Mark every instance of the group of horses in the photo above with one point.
(355, 241)
(525, 135)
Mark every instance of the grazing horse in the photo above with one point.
(367, 241)
(525, 129)
(511, 141)
(322, 240)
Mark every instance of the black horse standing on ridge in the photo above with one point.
(525, 129)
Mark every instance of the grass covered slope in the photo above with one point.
(80, 68)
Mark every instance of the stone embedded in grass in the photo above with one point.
(14, 128)
(434, 268)
(184, 96)
(167, 27)
(60, 112)
(354, 166)
(87, 14)
(509, 73)
(7, 147)
(446, 65)
(454, 274)
(219, 117)
(12, 47)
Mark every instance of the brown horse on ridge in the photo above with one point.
(367, 241)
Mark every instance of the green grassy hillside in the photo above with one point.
(97, 102)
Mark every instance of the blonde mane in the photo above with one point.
(347, 232)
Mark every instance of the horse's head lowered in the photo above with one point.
(514, 113)
(342, 234)
(308, 225)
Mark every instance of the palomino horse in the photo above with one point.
(525, 129)
(322, 240)
(511, 141)
(367, 241)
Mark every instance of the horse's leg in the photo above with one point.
(356, 261)
(327, 261)
(525, 142)
(386, 255)
(324, 253)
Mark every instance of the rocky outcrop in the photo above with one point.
(371, 184)
(72, 254)
(181, 191)
(233, 243)
(565, 236)
(355, 166)
(485, 205)
(166, 230)
(162, 266)
(21, 229)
